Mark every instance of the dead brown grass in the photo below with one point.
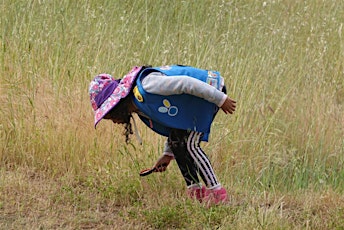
(31, 200)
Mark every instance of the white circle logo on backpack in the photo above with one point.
(171, 110)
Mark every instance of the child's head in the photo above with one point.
(106, 93)
(121, 115)
(109, 98)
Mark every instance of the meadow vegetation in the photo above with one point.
(281, 155)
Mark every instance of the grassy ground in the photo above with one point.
(280, 156)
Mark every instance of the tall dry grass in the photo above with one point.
(280, 155)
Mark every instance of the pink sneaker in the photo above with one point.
(215, 197)
(196, 193)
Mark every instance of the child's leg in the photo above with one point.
(215, 194)
(192, 161)
(177, 142)
(201, 160)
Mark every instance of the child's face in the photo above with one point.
(122, 119)
(120, 114)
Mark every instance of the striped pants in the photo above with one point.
(191, 159)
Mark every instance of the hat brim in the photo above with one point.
(121, 91)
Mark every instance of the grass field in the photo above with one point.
(281, 155)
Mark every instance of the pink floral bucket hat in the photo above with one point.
(106, 92)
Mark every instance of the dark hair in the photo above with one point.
(121, 111)
(128, 130)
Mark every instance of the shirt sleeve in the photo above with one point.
(167, 150)
(158, 83)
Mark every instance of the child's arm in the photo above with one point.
(229, 105)
(165, 159)
(157, 83)
(167, 150)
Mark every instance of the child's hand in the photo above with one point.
(162, 163)
(229, 106)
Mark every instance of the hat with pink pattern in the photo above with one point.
(106, 92)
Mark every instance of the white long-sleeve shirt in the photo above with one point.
(158, 83)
